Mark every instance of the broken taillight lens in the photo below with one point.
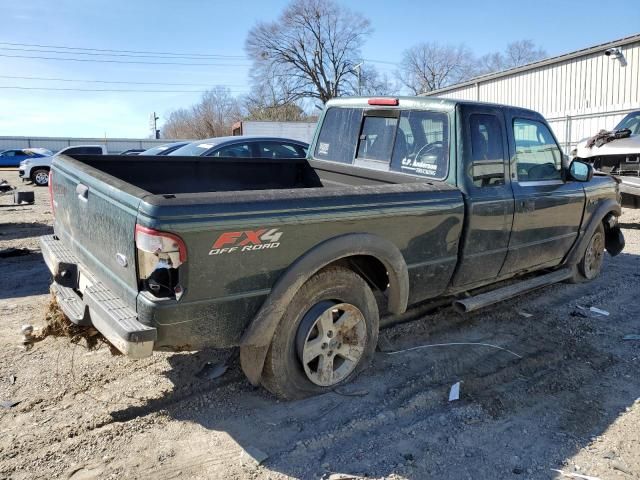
(160, 254)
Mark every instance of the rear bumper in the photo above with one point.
(87, 301)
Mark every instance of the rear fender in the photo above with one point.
(257, 338)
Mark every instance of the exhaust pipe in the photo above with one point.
(494, 296)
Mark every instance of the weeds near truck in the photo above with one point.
(58, 325)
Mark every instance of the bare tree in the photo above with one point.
(213, 116)
(310, 50)
(516, 54)
(372, 82)
(429, 66)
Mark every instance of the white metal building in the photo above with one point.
(579, 93)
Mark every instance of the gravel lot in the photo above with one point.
(571, 402)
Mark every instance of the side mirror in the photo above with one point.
(580, 171)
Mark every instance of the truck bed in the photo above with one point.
(162, 175)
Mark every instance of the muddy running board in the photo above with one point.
(484, 299)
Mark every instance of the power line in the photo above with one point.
(204, 55)
(98, 54)
(213, 84)
(55, 89)
(126, 61)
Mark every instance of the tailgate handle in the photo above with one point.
(83, 192)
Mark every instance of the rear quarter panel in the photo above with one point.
(224, 289)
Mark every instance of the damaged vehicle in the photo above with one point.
(616, 151)
(299, 262)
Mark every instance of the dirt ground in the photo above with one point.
(569, 399)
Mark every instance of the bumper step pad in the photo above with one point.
(98, 306)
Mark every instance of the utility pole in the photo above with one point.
(153, 123)
(358, 67)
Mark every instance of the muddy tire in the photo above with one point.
(327, 336)
(40, 177)
(590, 265)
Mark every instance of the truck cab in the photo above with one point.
(505, 160)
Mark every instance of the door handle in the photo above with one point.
(83, 192)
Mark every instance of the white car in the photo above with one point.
(618, 156)
(37, 169)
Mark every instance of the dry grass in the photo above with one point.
(58, 325)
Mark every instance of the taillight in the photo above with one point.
(160, 254)
(53, 207)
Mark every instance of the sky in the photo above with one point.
(218, 28)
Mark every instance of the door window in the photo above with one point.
(239, 150)
(280, 150)
(487, 157)
(538, 157)
(9, 153)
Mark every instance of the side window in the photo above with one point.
(338, 135)
(487, 156)
(422, 144)
(9, 153)
(280, 150)
(376, 138)
(239, 150)
(538, 157)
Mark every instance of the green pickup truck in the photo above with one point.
(300, 261)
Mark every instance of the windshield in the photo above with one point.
(193, 149)
(632, 122)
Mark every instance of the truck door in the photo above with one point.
(548, 210)
(488, 196)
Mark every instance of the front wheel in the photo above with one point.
(326, 337)
(40, 177)
(590, 264)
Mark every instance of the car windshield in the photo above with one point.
(193, 149)
(632, 122)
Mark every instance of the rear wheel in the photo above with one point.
(590, 264)
(40, 177)
(327, 336)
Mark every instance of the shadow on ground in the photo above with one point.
(18, 230)
(23, 276)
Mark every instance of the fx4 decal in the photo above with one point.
(246, 241)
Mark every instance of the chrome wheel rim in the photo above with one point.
(331, 342)
(594, 256)
(42, 178)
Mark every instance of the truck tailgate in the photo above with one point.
(96, 221)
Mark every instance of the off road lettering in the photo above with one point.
(246, 241)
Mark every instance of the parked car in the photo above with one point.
(13, 157)
(165, 149)
(133, 151)
(244, 147)
(619, 154)
(36, 169)
(300, 261)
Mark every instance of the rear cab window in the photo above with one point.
(414, 142)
